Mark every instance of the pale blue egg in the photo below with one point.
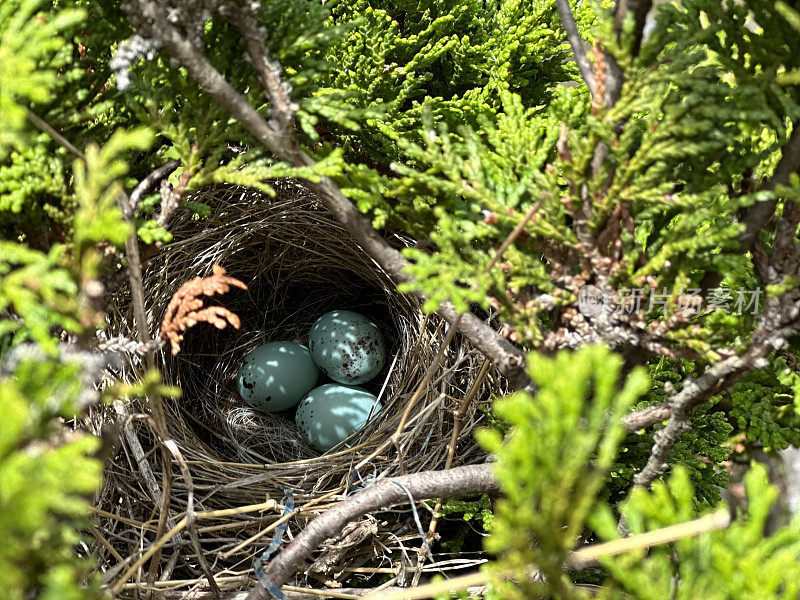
(276, 376)
(332, 412)
(347, 346)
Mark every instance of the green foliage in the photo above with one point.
(34, 197)
(46, 482)
(498, 173)
(549, 504)
(98, 218)
(453, 58)
(766, 406)
(27, 39)
(49, 253)
(475, 515)
(555, 460)
(32, 172)
(470, 510)
(735, 563)
(39, 291)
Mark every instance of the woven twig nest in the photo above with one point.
(298, 263)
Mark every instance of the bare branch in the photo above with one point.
(146, 184)
(776, 324)
(268, 70)
(421, 486)
(779, 321)
(171, 198)
(694, 392)
(49, 130)
(646, 417)
(576, 43)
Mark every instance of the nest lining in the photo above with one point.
(298, 263)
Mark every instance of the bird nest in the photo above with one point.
(298, 263)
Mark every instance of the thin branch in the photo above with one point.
(515, 233)
(171, 198)
(694, 392)
(779, 321)
(48, 129)
(283, 109)
(612, 76)
(772, 327)
(646, 417)
(290, 592)
(576, 43)
(421, 486)
(146, 184)
(155, 403)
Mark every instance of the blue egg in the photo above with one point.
(276, 376)
(347, 346)
(331, 413)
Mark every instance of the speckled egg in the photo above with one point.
(332, 412)
(276, 376)
(347, 346)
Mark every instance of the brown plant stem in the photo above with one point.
(50, 130)
(576, 44)
(155, 403)
(578, 559)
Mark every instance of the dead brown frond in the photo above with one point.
(185, 309)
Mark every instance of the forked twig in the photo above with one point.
(421, 486)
